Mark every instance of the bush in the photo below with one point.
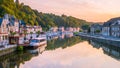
(20, 48)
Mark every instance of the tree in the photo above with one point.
(33, 17)
(31, 34)
(85, 27)
(38, 33)
(25, 33)
(12, 33)
(97, 31)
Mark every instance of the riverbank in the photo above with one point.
(108, 40)
(7, 49)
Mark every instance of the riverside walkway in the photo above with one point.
(99, 37)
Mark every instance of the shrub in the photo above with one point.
(20, 48)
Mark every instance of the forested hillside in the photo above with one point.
(33, 17)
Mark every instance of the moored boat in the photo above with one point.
(37, 42)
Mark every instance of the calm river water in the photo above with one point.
(65, 53)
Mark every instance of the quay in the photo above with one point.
(103, 39)
(7, 49)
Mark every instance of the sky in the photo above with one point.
(90, 10)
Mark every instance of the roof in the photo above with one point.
(96, 25)
(1, 19)
(113, 21)
(22, 22)
(12, 20)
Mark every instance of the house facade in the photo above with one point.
(70, 29)
(8, 24)
(61, 29)
(96, 29)
(13, 24)
(106, 29)
(4, 29)
(33, 29)
(115, 29)
(111, 28)
(54, 29)
(22, 26)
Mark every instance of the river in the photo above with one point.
(71, 52)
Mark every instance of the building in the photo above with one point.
(95, 29)
(54, 29)
(115, 29)
(37, 28)
(111, 28)
(106, 29)
(22, 26)
(8, 24)
(69, 29)
(4, 29)
(76, 29)
(61, 29)
(33, 29)
(13, 24)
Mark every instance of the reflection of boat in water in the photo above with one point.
(38, 50)
(37, 42)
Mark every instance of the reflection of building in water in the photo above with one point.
(13, 60)
(4, 64)
(9, 61)
(110, 50)
(95, 44)
(68, 34)
(62, 36)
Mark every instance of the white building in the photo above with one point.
(54, 29)
(33, 29)
(61, 29)
(111, 28)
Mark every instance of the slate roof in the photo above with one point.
(12, 21)
(112, 21)
(96, 25)
(22, 23)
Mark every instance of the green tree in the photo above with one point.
(85, 27)
(38, 33)
(31, 34)
(33, 17)
(12, 33)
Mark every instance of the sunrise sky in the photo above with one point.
(90, 10)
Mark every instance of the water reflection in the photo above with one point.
(37, 51)
(14, 59)
(71, 52)
(63, 43)
(108, 49)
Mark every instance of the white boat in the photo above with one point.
(34, 43)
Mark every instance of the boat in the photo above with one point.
(37, 42)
